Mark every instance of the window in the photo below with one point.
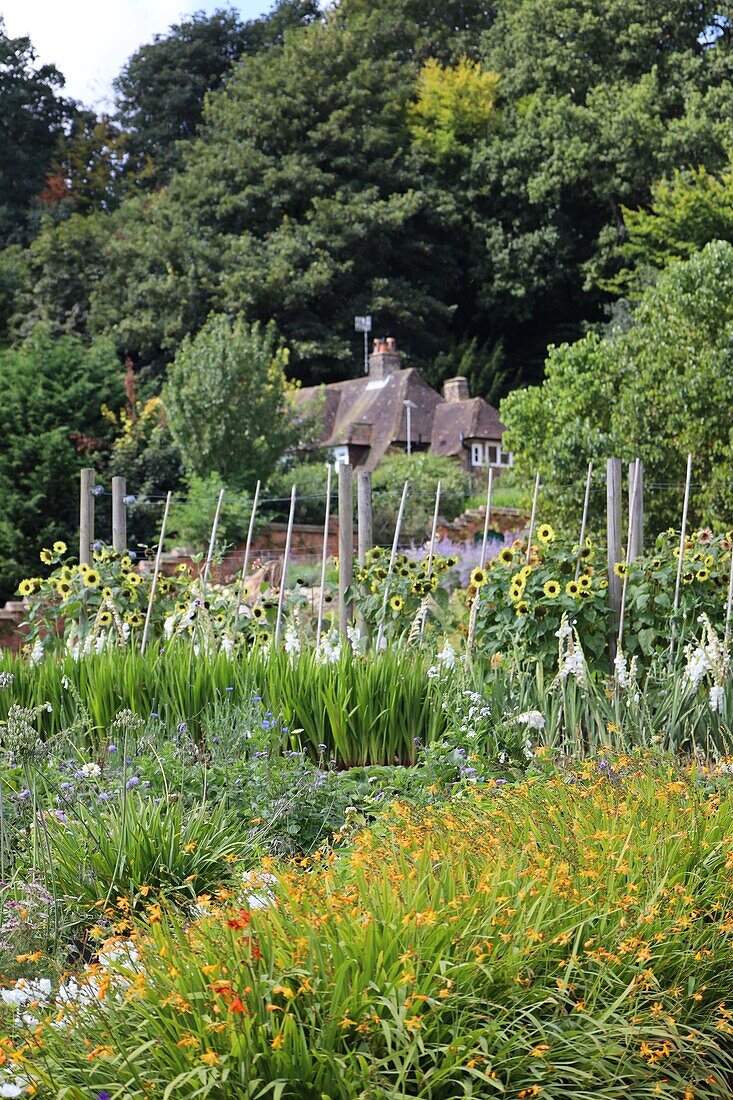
(477, 454)
(493, 452)
(506, 458)
(340, 455)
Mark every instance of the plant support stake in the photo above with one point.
(324, 557)
(212, 544)
(245, 563)
(286, 556)
(156, 571)
(487, 517)
(629, 542)
(431, 551)
(532, 517)
(584, 521)
(392, 556)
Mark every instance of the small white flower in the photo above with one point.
(717, 694)
(91, 770)
(532, 719)
(292, 641)
(447, 656)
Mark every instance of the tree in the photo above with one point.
(658, 390)
(161, 90)
(423, 471)
(51, 425)
(687, 211)
(33, 116)
(227, 400)
(454, 107)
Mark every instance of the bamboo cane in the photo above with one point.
(156, 570)
(532, 517)
(286, 557)
(245, 563)
(584, 521)
(324, 557)
(393, 555)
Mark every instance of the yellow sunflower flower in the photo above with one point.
(46, 556)
(26, 588)
(552, 589)
(91, 578)
(572, 588)
(397, 603)
(479, 577)
(620, 568)
(545, 533)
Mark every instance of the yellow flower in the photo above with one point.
(126, 562)
(397, 603)
(572, 588)
(545, 533)
(516, 592)
(26, 588)
(479, 577)
(278, 1041)
(209, 1057)
(107, 593)
(506, 556)
(105, 618)
(63, 588)
(46, 557)
(91, 578)
(522, 607)
(525, 571)
(59, 547)
(552, 589)
(703, 574)
(620, 568)
(585, 582)
(258, 613)
(83, 567)
(134, 618)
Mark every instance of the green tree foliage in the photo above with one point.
(659, 390)
(161, 90)
(32, 117)
(423, 471)
(454, 107)
(687, 211)
(192, 516)
(227, 400)
(51, 426)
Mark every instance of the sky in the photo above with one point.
(90, 40)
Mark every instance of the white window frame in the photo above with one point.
(478, 454)
(340, 455)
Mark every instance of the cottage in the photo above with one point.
(392, 408)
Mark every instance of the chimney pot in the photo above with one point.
(385, 358)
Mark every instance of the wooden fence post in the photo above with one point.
(636, 509)
(365, 535)
(86, 516)
(364, 513)
(346, 542)
(119, 514)
(613, 528)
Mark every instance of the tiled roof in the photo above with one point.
(370, 412)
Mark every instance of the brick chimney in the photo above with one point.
(455, 389)
(385, 358)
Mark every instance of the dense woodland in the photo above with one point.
(487, 180)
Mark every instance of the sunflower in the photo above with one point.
(552, 589)
(181, 607)
(620, 568)
(83, 567)
(26, 588)
(105, 618)
(585, 582)
(572, 588)
(478, 577)
(506, 556)
(397, 603)
(46, 556)
(258, 613)
(522, 607)
(433, 582)
(703, 574)
(545, 533)
(374, 554)
(586, 553)
(451, 562)
(91, 578)
(126, 562)
(63, 588)
(107, 593)
(264, 637)
(134, 579)
(134, 618)
(688, 576)
(59, 547)
(516, 592)
(519, 579)
(708, 561)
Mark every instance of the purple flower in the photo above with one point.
(229, 689)
(154, 714)
(111, 748)
(104, 1095)
(132, 782)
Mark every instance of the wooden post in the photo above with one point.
(324, 556)
(584, 521)
(533, 517)
(212, 544)
(156, 571)
(119, 515)
(729, 606)
(364, 513)
(487, 517)
(636, 468)
(86, 516)
(683, 532)
(245, 563)
(346, 542)
(392, 556)
(613, 528)
(636, 506)
(286, 558)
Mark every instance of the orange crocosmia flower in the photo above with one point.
(33, 957)
(241, 921)
(100, 1052)
(209, 1057)
(278, 1041)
